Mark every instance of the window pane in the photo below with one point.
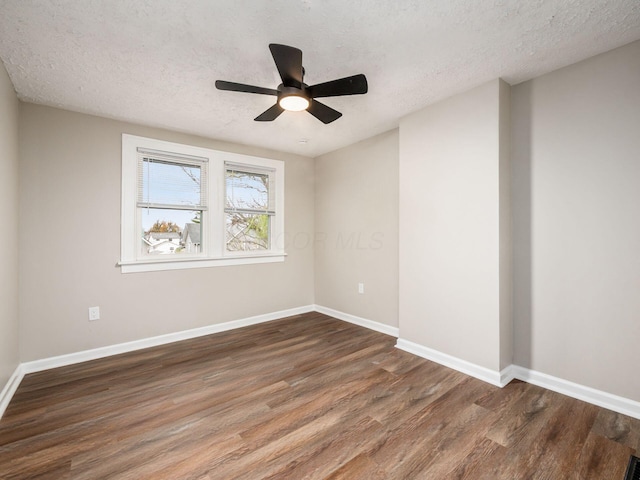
(247, 231)
(169, 232)
(246, 190)
(170, 183)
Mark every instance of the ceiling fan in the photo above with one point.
(295, 95)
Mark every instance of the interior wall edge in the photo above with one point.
(494, 377)
(600, 398)
(616, 403)
(9, 199)
(362, 322)
(10, 388)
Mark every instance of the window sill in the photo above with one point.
(155, 265)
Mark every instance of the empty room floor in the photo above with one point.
(303, 397)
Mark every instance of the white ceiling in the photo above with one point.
(155, 62)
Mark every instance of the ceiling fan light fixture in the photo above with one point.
(294, 103)
(295, 95)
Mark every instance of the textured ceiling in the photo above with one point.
(155, 62)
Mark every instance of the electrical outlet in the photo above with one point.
(361, 288)
(94, 313)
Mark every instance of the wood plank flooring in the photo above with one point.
(306, 397)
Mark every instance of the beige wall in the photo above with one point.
(9, 327)
(450, 218)
(576, 179)
(70, 238)
(356, 212)
(505, 230)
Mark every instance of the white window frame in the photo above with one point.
(214, 252)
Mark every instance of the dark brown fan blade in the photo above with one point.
(289, 63)
(355, 85)
(241, 87)
(322, 112)
(270, 114)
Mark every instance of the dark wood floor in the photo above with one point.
(303, 397)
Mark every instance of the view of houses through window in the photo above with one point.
(172, 202)
(170, 231)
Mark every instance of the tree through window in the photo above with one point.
(248, 208)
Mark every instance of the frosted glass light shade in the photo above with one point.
(294, 103)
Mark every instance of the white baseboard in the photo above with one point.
(494, 377)
(507, 375)
(602, 399)
(10, 388)
(93, 354)
(362, 322)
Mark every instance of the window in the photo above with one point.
(172, 200)
(186, 207)
(248, 208)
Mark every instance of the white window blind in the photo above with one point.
(171, 181)
(249, 189)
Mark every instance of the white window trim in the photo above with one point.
(214, 252)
